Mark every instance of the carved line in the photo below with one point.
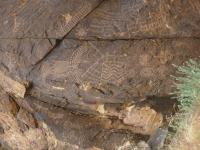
(89, 71)
(95, 48)
(146, 72)
(113, 70)
(82, 12)
(16, 26)
(77, 54)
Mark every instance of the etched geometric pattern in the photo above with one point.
(93, 73)
(113, 71)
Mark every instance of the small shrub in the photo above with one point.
(188, 94)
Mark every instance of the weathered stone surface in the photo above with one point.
(90, 74)
(112, 19)
(85, 73)
(133, 19)
(26, 118)
(19, 56)
(142, 145)
(42, 19)
(81, 131)
(16, 134)
(145, 118)
(157, 139)
(12, 86)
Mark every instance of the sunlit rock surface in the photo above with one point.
(91, 74)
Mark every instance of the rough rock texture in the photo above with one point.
(139, 19)
(133, 146)
(99, 72)
(18, 127)
(90, 74)
(157, 140)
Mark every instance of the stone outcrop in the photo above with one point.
(90, 74)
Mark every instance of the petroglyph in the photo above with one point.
(112, 71)
(108, 68)
(81, 31)
(75, 60)
(144, 59)
(16, 25)
(92, 74)
(132, 8)
(67, 17)
(107, 21)
(74, 18)
(87, 64)
(153, 21)
(12, 58)
(147, 72)
(165, 56)
(102, 63)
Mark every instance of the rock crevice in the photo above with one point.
(91, 74)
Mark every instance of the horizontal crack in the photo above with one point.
(102, 39)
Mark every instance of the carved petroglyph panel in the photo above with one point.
(105, 18)
(108, 69)
(105, 71)
(69, 21)
(100, 67)
(107, 64)
(115, 19)
(153, 20)
(42, 19)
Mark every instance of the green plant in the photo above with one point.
(188, 85)
(188, 94)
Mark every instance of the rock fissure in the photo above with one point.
(91, 74)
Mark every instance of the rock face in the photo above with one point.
(90, 74)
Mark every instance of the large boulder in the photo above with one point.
(91, 74)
